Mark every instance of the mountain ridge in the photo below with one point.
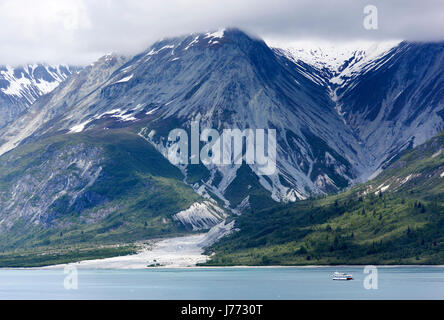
(87, 162)
(299, 97)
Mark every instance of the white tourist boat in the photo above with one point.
(342, 276)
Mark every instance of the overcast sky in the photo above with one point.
(79, 31)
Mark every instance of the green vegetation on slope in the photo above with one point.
(131, 194)
(403, 224)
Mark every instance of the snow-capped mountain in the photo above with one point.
(339, 117)
(59, 101)
(389, 93)
(21, 86)
(224, 79)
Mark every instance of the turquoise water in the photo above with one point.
(224, 283)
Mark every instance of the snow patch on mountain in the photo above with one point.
(31, 81)
(153, 51)
(119, 114)
(125, 79)
(195, 40)
(79, 127)
(214, 36)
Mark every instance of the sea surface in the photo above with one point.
(223, 283)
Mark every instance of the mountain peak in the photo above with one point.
(210, 39)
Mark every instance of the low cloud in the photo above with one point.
(79, 31)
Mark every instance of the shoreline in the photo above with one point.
(176, 252)
(186, 252)
(172, 267)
